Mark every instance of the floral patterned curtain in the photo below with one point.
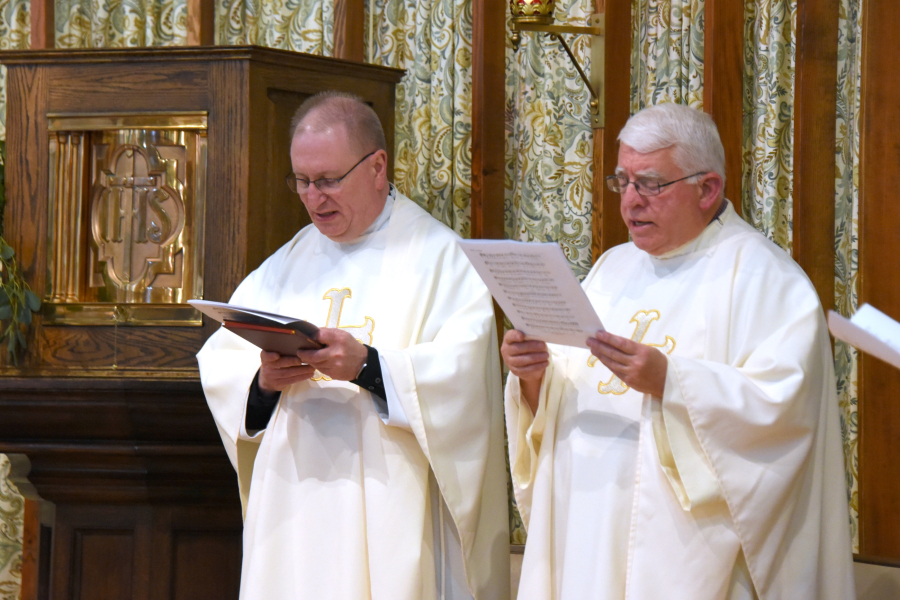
(769, 36)
(846, 242)
(12, 516)
(549, 140)
(667, 53)
(432, 40)
(15, 32)
(120, 23)
(298, 25)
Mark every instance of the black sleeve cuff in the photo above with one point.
(370, 377)
(260, 406)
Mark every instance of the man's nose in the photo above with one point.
(630, 196)
(314, 195)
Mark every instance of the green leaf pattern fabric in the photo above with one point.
(667, 53)
(298, 25)
(120, 23)
(846, 242)
(12, 517)
(15, 32)
(432, 40)
(549, 140)
(769, 35)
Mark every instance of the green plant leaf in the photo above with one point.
(5, 312)
(24, 315)
(32, 301)
(4, 297)
(21, 337)
(6, 251)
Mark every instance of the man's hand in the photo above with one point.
(342, 358)
(639, 366)
(527, 360)
(277, 372)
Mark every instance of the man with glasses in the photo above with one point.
(371, 468)
(692, 451)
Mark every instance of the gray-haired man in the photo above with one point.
(694, 452)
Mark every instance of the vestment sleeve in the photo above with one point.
(529, 433)
(680, 454)
(758, 414)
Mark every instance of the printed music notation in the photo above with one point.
(534, 286)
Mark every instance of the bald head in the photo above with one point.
(327, 110)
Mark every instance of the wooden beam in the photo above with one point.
(879, 279)
(607, 226)
(43, 24)
(723, 82)
(488, 124)
(201, 22)
(349, 29)
(815, 107)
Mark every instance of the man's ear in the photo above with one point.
(711, 186)
(379, 165)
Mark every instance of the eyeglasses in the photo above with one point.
(299, 185)
(644, 187)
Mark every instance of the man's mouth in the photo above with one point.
(638, 224)
(324, 216)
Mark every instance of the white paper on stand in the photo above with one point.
(533, 284)
(871, 331)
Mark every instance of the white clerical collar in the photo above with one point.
(382, 220)
(706, 237)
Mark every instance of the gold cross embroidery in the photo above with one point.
(362, 333)
(642, 320)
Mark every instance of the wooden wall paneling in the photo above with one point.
(43, 24)
(116, 441)
(147, 552)
(608, 228)
(489, 38)
(196, 553)
(101, 552)
(27, 144)
(879, 281)
(349, 29)
(230, 218)
(723, 82)
(815, 102)
(201, 22)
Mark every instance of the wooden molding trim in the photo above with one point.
(489, 36)
(349, 30)
(815, 106)
(879, 285)
(201, 22)
(43, 24)
(723, 75)
(607, 226)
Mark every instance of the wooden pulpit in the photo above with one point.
(138, 179)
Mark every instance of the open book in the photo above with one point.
(271, 332)
(871, 331)
(533, 284)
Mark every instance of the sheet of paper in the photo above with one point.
(871, 331)
(534, 286)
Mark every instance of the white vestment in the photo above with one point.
(735, 476)
(337, 503)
